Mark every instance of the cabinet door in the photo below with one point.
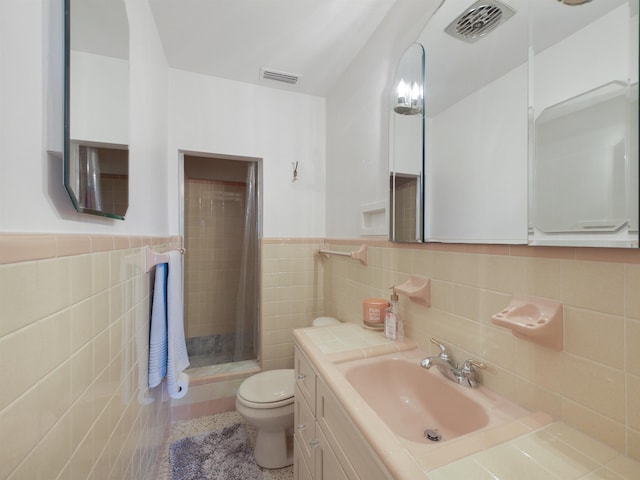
(305, 427)
(327, 466)
(305, 379)
(350, 448)
(300, 467)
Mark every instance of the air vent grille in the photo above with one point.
(478, 20)
(284, 77)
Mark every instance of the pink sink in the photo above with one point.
(411, 399)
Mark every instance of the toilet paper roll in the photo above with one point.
(182, 384)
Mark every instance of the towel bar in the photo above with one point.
(154, 258)
(360, 254)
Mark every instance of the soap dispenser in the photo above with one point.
(393, 326)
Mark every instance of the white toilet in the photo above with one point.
(265, 400)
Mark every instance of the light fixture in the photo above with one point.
(574, 3)
(409, 98)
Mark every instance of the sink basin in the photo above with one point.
(410, 399)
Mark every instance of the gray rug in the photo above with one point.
(221, 455)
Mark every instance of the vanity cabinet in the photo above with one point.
(323, 432)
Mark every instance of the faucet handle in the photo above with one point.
(444, 355)
(466, 366)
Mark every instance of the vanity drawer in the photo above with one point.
(356, 457)
(304, 427)
(305, 379)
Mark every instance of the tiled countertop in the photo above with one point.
(532, 447)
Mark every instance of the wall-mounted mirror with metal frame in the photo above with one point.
(584, 114)
(96, 123)
(406, 148)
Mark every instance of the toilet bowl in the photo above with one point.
(265, 401)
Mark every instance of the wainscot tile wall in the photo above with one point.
(74, 326)
(593, 384)
(75, 311)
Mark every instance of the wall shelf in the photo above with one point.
(535, 319)
(417, 288)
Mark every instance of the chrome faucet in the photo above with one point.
(465, 376)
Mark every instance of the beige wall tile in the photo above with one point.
(536, 398)
(53, 291)
(498, 347)
(594, 335)
(540, 365)
(20, 416)
(19, 365)
(595, 425)
(633, 402)
(594, 286)
(64, 328)
(18, 296)
(632, 338)
(538, 277)
(595, 386)
(632, 287)
(633, 447)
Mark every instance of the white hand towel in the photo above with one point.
(177, 357)
(158, 334)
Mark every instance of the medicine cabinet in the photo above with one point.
(96, 111)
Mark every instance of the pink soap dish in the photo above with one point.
(417, 288)
(538, 320)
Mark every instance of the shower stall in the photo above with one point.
(221, 228)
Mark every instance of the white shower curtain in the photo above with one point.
(90, 161)
(246, 341)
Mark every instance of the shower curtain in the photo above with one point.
(90, 196)
(246, 341)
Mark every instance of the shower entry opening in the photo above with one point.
(221, 220)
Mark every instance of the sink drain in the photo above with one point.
(432, 434)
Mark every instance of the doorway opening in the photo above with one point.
(222, 212)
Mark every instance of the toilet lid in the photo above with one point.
(270, 389)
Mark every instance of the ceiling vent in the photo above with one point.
(284, 77)
(479, 19)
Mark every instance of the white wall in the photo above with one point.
(32, 198)
(217, 116)
(358, 119)
(477, 165)
(195, 113)
(99, 107)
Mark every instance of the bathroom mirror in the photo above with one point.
(584, 114)
(96, 123)
(406, 148)
(476, 122)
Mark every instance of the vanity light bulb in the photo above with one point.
(403, 92)
(415, 94)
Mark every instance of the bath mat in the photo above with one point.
(220, 455)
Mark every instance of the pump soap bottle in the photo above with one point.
(393, 326)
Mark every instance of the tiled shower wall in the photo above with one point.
(593, 384)
(73, 358)
(214, 226)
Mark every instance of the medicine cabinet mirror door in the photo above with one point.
(584, 164)
(96, 123)
(406, 148)
(476, 102)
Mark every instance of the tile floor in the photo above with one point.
(210, 423)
